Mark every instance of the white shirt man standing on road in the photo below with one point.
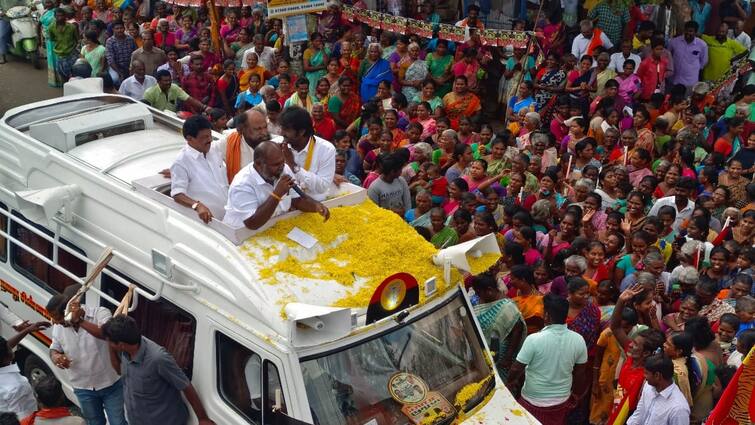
(198, 177)
(79, 347)
(661, 401)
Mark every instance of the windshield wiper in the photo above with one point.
(479, 395)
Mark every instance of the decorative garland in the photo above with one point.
(401, 25)
(725, 84)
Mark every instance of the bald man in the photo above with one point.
(238, 147)
(264, 189)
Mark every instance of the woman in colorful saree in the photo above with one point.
(501, 322)
(460, 102)
(412, 71)
(439, 64)
(315, 60)
(372, 71)
(345, 106)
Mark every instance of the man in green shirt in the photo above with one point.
(64, 37)
(166, 95)
(721, 51)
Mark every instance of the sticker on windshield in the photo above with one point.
(420, 405)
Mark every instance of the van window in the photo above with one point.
(38, 271)
(161, 321)
(244, 392)
(3, 240)
(272, 383)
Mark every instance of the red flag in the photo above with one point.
(737, 404)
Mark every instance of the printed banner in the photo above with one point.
(279, 8)
(401, 25)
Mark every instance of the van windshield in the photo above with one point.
(442, 348)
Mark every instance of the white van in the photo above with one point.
(80, 173)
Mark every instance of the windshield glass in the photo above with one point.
(442, 348)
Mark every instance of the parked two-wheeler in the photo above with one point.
(23, 41)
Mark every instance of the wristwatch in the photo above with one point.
(194, 206)
(295, 168)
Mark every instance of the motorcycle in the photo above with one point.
(23, 40)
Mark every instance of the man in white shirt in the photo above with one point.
(618, 58)
(78, 347)
(237, 148)
(198, 177)
(135, 85)
(266, 54)
(312, 159)
(741, 36)
(679, 200)
(661, 401)
(553, 362)
(16, 394)
(583, 43)
(265, 189)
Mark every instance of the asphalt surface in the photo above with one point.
(20, 84)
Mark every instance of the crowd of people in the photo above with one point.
(615, 173)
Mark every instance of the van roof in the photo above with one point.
(130, 143)
(114, 134)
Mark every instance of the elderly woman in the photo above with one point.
(373, 70)
(412, 71)
(420, 215)
(582, 187)
(501, 322)
(531, 124)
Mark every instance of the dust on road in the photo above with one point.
(20, 84)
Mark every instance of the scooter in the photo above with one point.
(24, 42)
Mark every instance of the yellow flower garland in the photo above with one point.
(363, 243)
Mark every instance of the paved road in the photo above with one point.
(20, 84)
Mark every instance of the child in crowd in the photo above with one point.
(745, 310)
(745, 342)
(727, 330)
(251, 96)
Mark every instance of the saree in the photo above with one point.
(438, 66)
(246, 74)
(372, 75)
(628, 87)
(47, 19)
(416, 71)
(627, 392)
(468, 70)
(601, 79)
(460, 105)
(445, 238)
(347, 109)
(315, 59)
(601, 402)
(548, 78)
(530, 306)
(497, 319)
(587, 324)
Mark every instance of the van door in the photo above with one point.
(247, 377)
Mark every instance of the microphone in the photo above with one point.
(297, 189)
